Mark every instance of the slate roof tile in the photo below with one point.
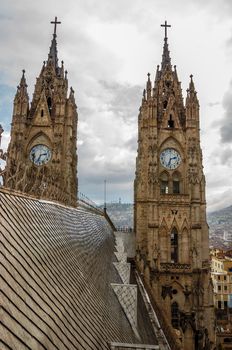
(56, 271)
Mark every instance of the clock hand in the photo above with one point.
(41, 154)
(173, 158)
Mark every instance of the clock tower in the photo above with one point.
(172, 246)
(41, 157)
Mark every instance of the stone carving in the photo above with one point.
(193, 175)
(194, 254)
(152, 149)
(187, 319)
(198, 293)
(166, 291)
(152, 173)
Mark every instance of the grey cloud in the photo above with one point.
(226, 128)
(226, 157)
(132, 143)
(98, 159)
(218, 182)
(212, 104)
(229, 41)
(6, 105)
(125, 99)
(221, 156)
(220, 201)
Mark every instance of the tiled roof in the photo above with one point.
(56, 274)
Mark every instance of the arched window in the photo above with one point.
(176, 183)
(174, 245)
(42, 113)
(170, 122)
(164, 183)
(165, 103)
(49, 102)
(175, 315)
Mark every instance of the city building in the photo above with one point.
(221, 272)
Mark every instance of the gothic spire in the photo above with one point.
(148, 85)
(191, 84)
(166, 60)
(191, 92)
(22, 87)
(23, 80)
(52, 56)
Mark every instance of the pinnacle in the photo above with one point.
(148, 81)
(191, 84)
(52, 56)
(22, 87)
(166, 60)
(23, 79)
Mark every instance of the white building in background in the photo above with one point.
(227, 236)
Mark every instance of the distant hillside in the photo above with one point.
(221, 216)
(220, 228)
(121, 214)
(219, 221)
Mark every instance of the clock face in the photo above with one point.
(170, 158)
(40, 154)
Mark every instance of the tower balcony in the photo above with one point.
(175, 198)
(206, 264)
(175, 267)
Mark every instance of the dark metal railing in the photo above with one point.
(124, 228)
(82, 199)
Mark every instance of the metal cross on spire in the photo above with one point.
(55, 24)
(165, 25)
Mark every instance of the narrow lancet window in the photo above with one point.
(176, 183)
(170, 122)
(49, 102)
(175, 315)
(174, 245)
(164, 183)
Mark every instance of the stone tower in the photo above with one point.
(172, 247)
(41, 157)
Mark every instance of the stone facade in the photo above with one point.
(172, 248)
(41, 157)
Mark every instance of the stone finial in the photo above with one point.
(148, 85)
(23, 79)
(191, 85)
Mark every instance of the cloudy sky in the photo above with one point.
(108, 47)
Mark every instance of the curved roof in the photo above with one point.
(57, 267)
